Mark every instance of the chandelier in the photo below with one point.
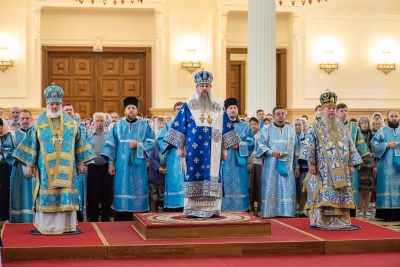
(114, 1)
(302, 1)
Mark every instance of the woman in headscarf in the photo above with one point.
(367, 170)
(377, 122)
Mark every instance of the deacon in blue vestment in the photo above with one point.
(385, 146)
(53, 146)
(202, 132)
(359, 142)
(277, 144)
(127, 147)
(21, 199)
(234, 169)
(175, 170)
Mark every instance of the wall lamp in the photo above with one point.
(190, 64)
(329, 65)
(386, 65)
(5, 60)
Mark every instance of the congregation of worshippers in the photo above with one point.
(253, 177)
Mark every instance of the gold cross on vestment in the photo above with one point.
(43, 126)
(69, 125)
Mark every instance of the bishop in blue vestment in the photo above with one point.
(202, 132)
(52, 149)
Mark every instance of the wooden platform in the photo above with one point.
(151, 226)
(117, 240)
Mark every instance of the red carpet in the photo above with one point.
(17, 236)
(349, 260)
(121, 234)
(368, 231)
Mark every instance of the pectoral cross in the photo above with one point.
(209, 120)
(202, 118)
(56, 139)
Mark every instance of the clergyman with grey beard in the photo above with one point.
(331, 155)
(202, 132)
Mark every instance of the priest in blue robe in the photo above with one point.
(277, 145)
(127, 148)
(21, 199)
(202, 132)
(175, 170)
(385, 146)
(53, 150)
(234, 169)
(332, 156)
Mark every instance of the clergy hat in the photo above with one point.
(130, 100)
(203, 76)
(229, 102)
(53, 94)
(328, 99)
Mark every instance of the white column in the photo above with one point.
(261, 56)
(221, 49)
(158, 67)
(35, 51)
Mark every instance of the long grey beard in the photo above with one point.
(205, 102)
(330, 122)
(53, 115)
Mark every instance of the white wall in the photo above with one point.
(356, 25)
(14, 86)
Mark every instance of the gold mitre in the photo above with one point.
(328, 99)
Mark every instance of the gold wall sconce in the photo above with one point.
(329, 64)
(190, 63)
(386, 65)
(5, 61)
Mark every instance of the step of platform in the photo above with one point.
(152, 226)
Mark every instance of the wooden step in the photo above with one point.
(152, 226)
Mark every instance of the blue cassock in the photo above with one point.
(388, 179)
(130, 181)
(185, 134)
(234, 171)
(82, 178)
(21, 198)
(278, 192)
(175, 174)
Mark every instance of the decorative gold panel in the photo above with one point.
(131, 87)
(82, 87)
(110, 66)
(60, 66)
(82, 66)
(110, 87)
(111, 106)
(132, 66)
